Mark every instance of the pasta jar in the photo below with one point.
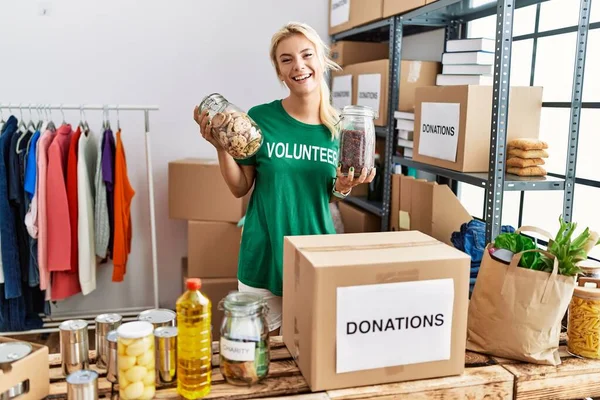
(236, 132)
(583, 328)
(136, 360)
(244, 341)
(357, 139)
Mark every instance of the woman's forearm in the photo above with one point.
(239, 178)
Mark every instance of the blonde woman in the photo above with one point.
(295, 173)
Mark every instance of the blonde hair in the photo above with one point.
(329, 115)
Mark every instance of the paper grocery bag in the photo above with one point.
(516, 312)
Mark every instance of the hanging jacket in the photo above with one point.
(72, 197)
(101, 221)
(64, 283)
(42, 215)
(86, 167)
(108, 174)
(123, 195)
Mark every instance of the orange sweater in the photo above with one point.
(123, 195)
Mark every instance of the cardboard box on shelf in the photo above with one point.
(346, 14)
(401, 295)
(346, 52)
(453, 124)
(369, 84)
(215, 289)
(356, 220)
(393, 7)
(32, 371)
(197, 191)
(213, 249)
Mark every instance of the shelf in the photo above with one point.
(511, 182)
(374, 207)
(381, 131)
(430, 16)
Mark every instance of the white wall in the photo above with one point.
(168, 53)
(149, 52)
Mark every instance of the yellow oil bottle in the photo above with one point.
(194, 339)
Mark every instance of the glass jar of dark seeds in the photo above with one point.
(357, 140)
(244, 342)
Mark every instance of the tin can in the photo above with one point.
(159, 317)
(112, 370)
(82, 385)
(74, 346)
(104, 324)
(9, 353)
(166, 355)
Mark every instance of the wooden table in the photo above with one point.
(484, 377)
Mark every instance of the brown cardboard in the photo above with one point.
(215, 290)
(406, 201)
(393, 7)
(413, 75)
(361, 12)
(346, 52)
(315, 266)
(395, 202)
(361, 190)
(197, 191)
(436, 211)
(356, 220)
(524, 111)
(33, 368)
(213, 249)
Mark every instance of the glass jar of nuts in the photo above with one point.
(236, 132)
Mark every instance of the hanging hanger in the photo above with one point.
(24, 131)
(106, 123)
(118, 120)
(40, 118)
(22, 126)
(83, 124)
(31, 126)
(51, 125)
(2, 121)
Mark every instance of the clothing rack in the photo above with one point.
(48, 322)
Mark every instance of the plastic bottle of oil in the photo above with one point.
(194, 340)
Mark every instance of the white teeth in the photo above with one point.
(301, 78)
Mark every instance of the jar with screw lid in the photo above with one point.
(136, 360)
(357, 140)
(233, 128)
(583, 328)
(244, 341)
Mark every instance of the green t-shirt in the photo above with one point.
(295, 173)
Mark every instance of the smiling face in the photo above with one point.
(298, 65)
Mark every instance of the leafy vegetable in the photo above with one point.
(517, 243)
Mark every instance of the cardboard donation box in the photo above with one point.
(197, 191)
(356, 220)
(346, 52)
(393, 7)
(453, 124)
(213, 249)
(367, 84)
(372, 308)
(28, 377)
(346, 14)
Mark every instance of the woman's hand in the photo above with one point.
(204, 121)
(344, 184)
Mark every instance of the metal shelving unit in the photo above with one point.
(453, 15)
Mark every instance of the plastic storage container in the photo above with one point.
(136, 360)
(239, 135)
(244, 342)
(583, 328)
(357, 139)
(194, 342)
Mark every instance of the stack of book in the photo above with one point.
(405, 125)
(467, 62)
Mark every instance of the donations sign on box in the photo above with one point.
(393, 324)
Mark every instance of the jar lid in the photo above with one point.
(243, 301)
(589, 265)
(13, 351)
(588, 287)
(108, 318)
(166, 332)
(112, 336)
(73, 325)
(135, 330)
(82, 377)
(157, 316)
(355, 109)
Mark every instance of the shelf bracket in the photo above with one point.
(500, 100)
(576, 106)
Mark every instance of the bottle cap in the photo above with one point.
(193, 283)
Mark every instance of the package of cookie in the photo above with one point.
(239, 135)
